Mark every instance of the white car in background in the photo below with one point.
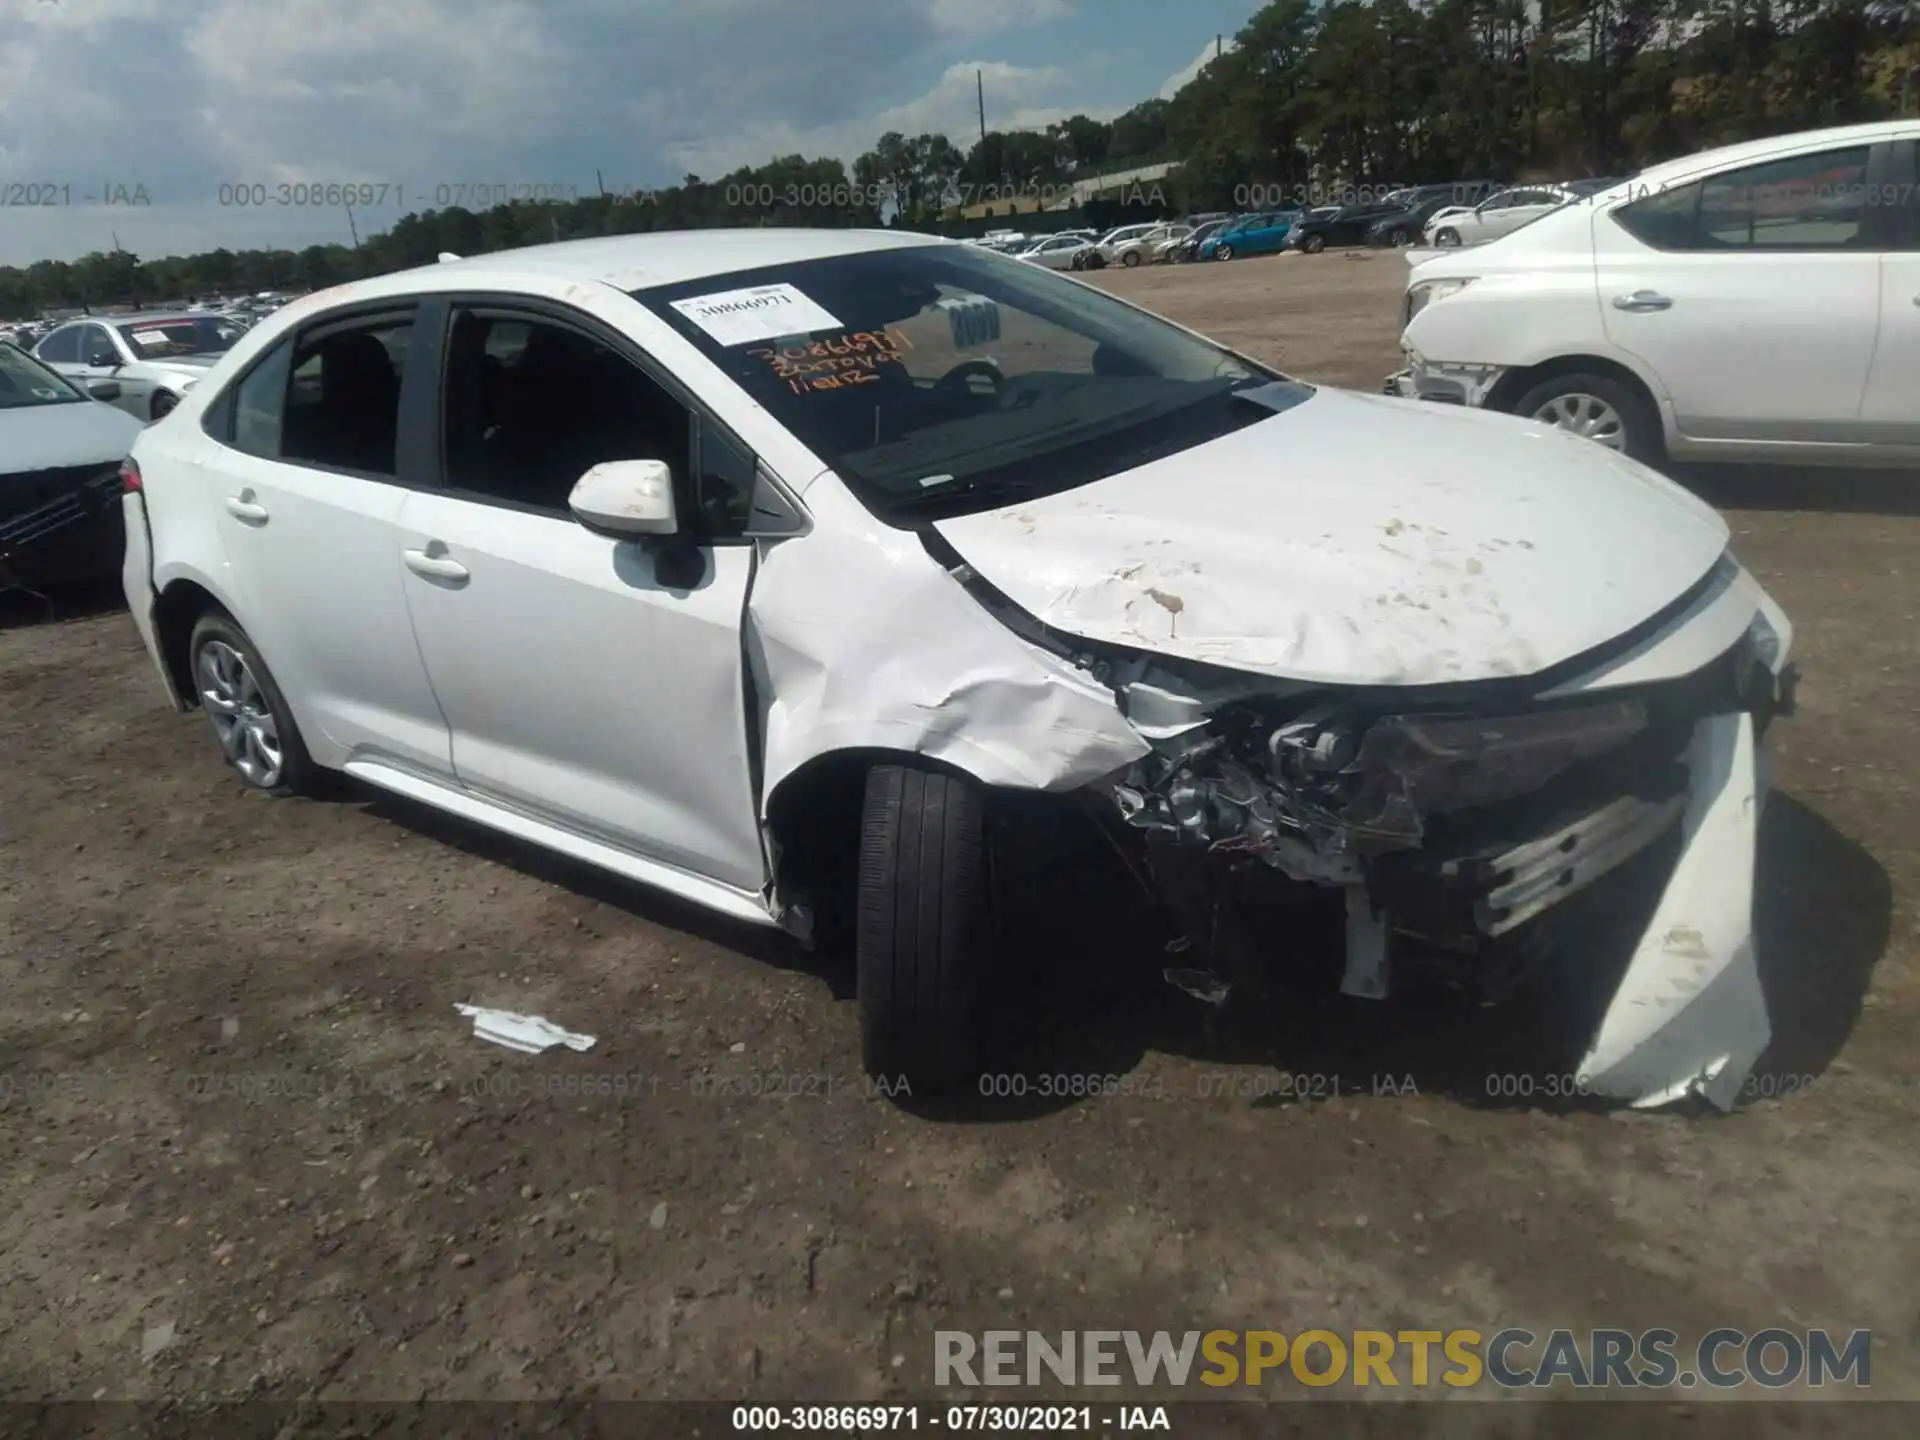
(754, 566)
(1108, 245)
(1499, 214)
(142, 363)
(1057, 251)
(1759, 302)
(1145, 247)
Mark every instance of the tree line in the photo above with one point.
(1311, 97)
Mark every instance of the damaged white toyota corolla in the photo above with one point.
(760, 566)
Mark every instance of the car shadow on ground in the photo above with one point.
(1077, 1000)
(1803, 487)
(1082, 995)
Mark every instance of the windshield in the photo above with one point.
(25, 382)
(938, 380)
(185, 335)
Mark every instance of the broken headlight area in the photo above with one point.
(1451, 834)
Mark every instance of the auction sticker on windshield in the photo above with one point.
(151, 337)
(760, 312)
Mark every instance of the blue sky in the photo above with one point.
(177, 97)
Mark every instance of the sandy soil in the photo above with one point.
(239, 1101)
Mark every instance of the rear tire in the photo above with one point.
(1130, 259)
(250, 718)
(923, 926)
(1399, 239)
(163, 402)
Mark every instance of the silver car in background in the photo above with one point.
(142, 363)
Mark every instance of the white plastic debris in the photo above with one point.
(155, 1339)
(530, 1034)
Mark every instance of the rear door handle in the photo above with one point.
(246, 510)
(436, 567)
(1642, 300)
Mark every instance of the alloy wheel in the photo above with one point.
(242, 718)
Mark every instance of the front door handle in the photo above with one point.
(436, 567)
(242, 508)
(1642, 300)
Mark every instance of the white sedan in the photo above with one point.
(1057, 252)
(142, 363)
(1499, 214)
(773, 567)
(1630, 317)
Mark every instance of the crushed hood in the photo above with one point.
(1357, 540)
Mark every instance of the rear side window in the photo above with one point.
(343, 397)
(259, 404)
(62, 346)
(1805, 202)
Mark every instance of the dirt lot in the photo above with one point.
(239, 1100)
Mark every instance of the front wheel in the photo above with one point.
(250, 718)
(1313, 244)
(1447, 236)
(1225, 252)
(1130, 259)
(1597, 408)
(1399, 239)
(923, 926)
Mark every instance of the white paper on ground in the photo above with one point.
(529, 1034)
(760, 312)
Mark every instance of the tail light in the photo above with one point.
(130, 475)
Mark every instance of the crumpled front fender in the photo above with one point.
(859, 640)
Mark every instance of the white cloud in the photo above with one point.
(1189, 72)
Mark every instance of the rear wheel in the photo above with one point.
(1225, 252)
(162, 402)
(248, 713)
(1130, 259)
(923, 926)
(1399, 239)
(1598, 408)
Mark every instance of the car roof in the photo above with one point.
(1655, 175)
(636, 262)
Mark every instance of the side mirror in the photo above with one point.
(104, 389)
(624, 499)
(103, 359)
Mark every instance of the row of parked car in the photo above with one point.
(1464, 212)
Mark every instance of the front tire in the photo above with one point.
(1399, 239)
(1447, 236)
(1130, 259)
(249, 715)
(923, 926)
(1313, 244)
(1598, 408)
(1225, 252)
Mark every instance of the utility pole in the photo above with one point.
(352, 229)
(599, 184)
(980, 89)
(1219, 46)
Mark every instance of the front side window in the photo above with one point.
(343, 397)
(532, 405)
(96, 347)
(62, 347)
(25, 382)
(184, 335)
(937, 379)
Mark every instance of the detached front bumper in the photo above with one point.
(1444, 383)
